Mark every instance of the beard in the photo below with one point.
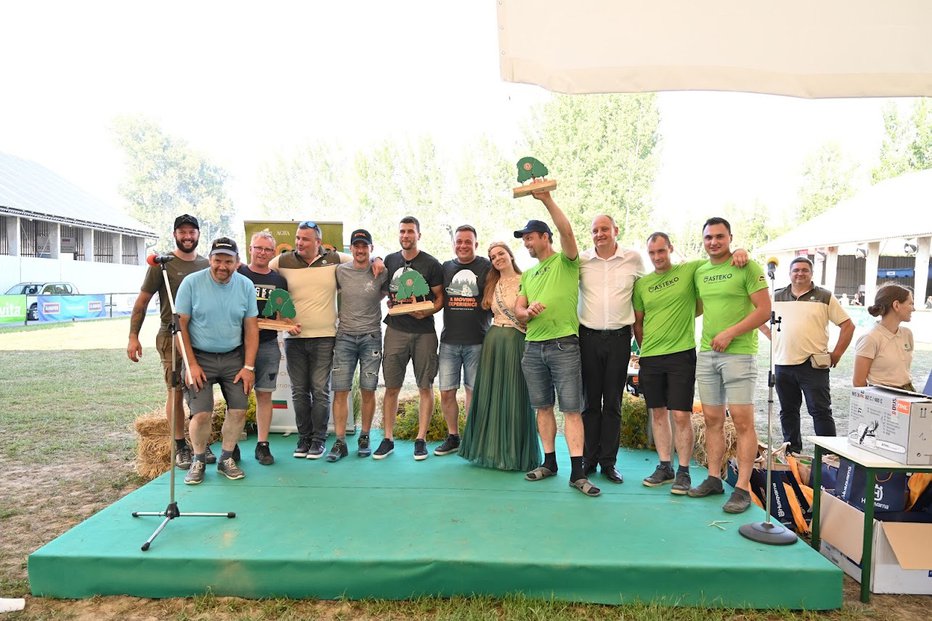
(186, 245)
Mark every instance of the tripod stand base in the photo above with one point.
(170, 513)
(768, 533)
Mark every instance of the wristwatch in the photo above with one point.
(249, 368)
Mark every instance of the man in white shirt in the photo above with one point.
(606, 281)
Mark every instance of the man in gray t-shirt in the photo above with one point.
(358, 340)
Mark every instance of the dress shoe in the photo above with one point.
(611, 473)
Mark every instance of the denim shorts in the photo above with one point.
(554, 366)
(726, 378)
(350, 349)
(454, 358)
(268, 363)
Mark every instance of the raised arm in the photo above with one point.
(567, 238)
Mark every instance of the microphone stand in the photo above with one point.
(767, 532)
(171, 511)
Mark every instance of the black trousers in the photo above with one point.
(604, 356)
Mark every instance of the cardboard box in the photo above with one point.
(901, 561)
(894, 425)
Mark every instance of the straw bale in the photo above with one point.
(153, 446)
(699, 452)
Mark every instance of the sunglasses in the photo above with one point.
(309, 224)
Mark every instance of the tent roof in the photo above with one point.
(30, 190)
(830, 48)
(895, 208)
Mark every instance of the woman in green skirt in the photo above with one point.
(500, 430)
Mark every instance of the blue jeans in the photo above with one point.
(794, 381)
(309, 362)
(553, 366)
(453, 359)
(350, 349)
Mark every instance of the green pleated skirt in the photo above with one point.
(501, 429)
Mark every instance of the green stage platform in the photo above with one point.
(399, 529)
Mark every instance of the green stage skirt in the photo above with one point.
(501, 429)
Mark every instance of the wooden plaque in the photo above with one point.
(275, 324)
(410, 307)
(544, 185)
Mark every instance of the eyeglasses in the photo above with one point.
(261, 249)
(309, 224)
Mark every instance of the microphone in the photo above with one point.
(772, 264)
(159, 259)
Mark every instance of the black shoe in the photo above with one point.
(450, 445)
(611, 473)
(263, 454)
(338, 451)
(304, 445)
(661, 476)
(711, 485)
(362, 448)
(739, 502)
(386, 448)
(316, 451)
(420, 450)
(210, 458)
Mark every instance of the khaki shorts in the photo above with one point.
(163, 343)
(400, 347)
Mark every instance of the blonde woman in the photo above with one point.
(883, 355)
(501, 430)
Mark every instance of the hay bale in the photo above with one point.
(699, 452)
(153, 445)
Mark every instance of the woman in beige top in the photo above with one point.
(884, 355)
(501, 431)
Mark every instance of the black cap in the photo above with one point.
(360, 235)
(186, 218)
(224, 245)
(534, 226)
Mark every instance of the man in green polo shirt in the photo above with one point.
(735, 303)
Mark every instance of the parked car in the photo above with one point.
(33, 289)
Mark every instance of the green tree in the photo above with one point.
(165, 177)
(481, 193)
(907, 144)
(311, 183)
(827, 179)
(603, 150)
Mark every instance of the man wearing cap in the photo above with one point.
(358, 342)
(606, 282)
(465, 323)
(310, 271)
(268, 359)
(185, 260)
(218, 317)
(800, 351)
(547, 301)
(410, 336)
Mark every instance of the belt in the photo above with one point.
(217, 353)
(570, 338)
(589, 330)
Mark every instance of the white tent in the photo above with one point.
(803, 48)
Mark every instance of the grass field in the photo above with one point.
(70, 396)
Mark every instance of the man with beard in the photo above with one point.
(219, 323)
(185, 261)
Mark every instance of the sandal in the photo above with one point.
(586, 487)
(539, 473)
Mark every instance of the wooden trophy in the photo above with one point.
(411, 295)
(280, 311)
(531, 169)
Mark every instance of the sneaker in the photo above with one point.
(362, 449)
(304, 444)
(739, 502)
(450, 445)
(338, 451)
(183, 457)
(420, 450)
(711, 485)
(210, 457)
(386, 448)
(264, 455)
(662, 475)
(228, 468)
(236, 453)
(195, 474)
(681, 484)
(316, 451)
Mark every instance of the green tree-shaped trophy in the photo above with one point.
(531, 169)
(279, 311)
(411, 295)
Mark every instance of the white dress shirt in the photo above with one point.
(605, 288)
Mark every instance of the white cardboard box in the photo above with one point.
(895, 425)
(901, 561)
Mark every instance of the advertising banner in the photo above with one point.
(284, 233)
(67, 307)
(12, 309)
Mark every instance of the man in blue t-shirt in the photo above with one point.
(219, 328)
